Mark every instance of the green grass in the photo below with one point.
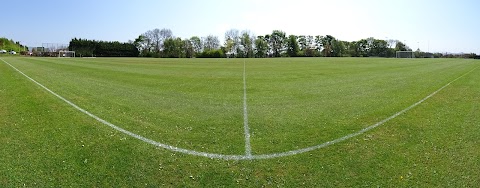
(197, 104)
(9, 55)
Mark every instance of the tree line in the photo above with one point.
(162, 43)
(88, 48)
(10, 45)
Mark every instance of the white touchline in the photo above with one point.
(238, 157)
(248, 148)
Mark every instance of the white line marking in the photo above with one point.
(294, 152)
(239, 157)
(168, 147)
(248, 148)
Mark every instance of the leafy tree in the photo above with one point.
(390, 49)
(84, 47)
(173, 48)
(164, 35)
(277, 42)
(261, 47)
(378, 48)
(196, 44)
(351, 49)
(232, 41)
(292, 46)
(306, 45)
(155, 38)
(318, 43)
(302, 42)
(246, 41)
(362, 48)
(189, 50)
(10, 45)
(338, 48)
(149, 44)
(326, 44)
(310, 41)
(142, 43)
(229, 45)
(153, 41)
(269, 45)
(210, 43)
(399, 46)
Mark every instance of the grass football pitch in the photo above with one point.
(288, 122)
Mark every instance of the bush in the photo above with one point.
(212, 54)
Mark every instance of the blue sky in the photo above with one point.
(437, 25)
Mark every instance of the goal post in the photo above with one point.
(64, 53)
(405, 54)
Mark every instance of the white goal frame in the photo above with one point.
(65, 53)
(405, 54)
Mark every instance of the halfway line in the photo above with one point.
(248, 148)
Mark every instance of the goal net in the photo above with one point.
(64, 53)
(405, 54)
